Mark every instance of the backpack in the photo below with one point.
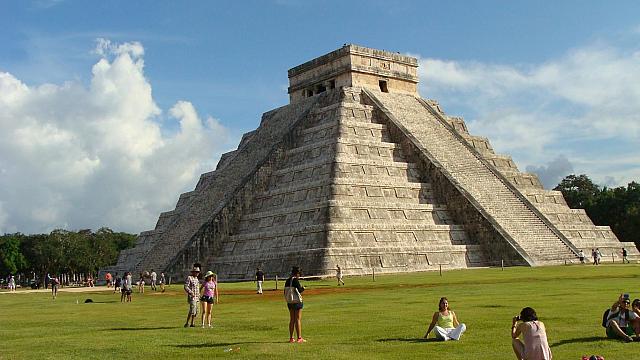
(606, 316)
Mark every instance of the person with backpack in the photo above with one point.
(620, 321)
(292, 294)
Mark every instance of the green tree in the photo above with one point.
(11, 258)
(579, 191)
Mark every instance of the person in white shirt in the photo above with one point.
(154, 277)
(621, 320)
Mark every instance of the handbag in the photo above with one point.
(292, 295)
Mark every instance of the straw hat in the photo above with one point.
(209, 273)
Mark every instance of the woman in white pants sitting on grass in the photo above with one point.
(445, 322)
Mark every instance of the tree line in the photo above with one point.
(61, 251)
(617, 207)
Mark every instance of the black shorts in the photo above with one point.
(297, 306)
(207, 299)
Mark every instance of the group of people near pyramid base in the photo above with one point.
(124, 285)
(596, 254)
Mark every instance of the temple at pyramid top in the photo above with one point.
(354, 66)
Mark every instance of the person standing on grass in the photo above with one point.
(259, 280)
(339, 275)
(162, 282)
(154, 277)
(598, 256)
(117, 283)
(128, 285)
(445, 322)
(622, 322)
(54, 286)
(292, 291)
(123, 289)
(534, 344)
(141, 284)
(12, 284)
(192, 288)
(108, 278)
(594, 256)
(209, 289)
(624, 256)
(581, 256)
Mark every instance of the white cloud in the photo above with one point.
(583, 104)
(80, 156)
(551, 174)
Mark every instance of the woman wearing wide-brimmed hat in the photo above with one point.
(209, 290)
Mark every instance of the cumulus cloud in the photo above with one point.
(551, 174)
(584, 104)
(79, 156)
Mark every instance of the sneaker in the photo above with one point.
(301, 340)
(203, 326)
(186, 325)
(209, 326)
(192, 325)
(291, 340)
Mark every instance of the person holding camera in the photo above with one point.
(622, 322)
(534, 344)
(445, 322)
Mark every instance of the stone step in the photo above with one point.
(467, 169)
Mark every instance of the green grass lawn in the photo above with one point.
(385, 319)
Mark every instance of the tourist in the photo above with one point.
(534, 344)
(141, 284)
(446, 323)
(116, 283)
(54, 286)
(12, 283)
(192, 288)
(209, 296)
(624, 256)
(128, 285)
(595, 256)
(292, 293)
(108, 278)
(622, 323)
(123, 290)
(339, 275)
(598, 256)
(154, 277)
(162, 282)
(581, 256)
(259, 280)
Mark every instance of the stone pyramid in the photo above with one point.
(359, 171)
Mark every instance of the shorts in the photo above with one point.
(193, 305)
(297, 306)
(627, 330)
(207, 299)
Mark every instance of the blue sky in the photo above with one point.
(110, 109)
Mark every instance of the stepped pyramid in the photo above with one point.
(359, 171)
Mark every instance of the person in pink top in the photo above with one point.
(534, 345)
(209, 290)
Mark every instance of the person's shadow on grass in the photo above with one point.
(578, 340)
(219, 345)
(410, 340)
